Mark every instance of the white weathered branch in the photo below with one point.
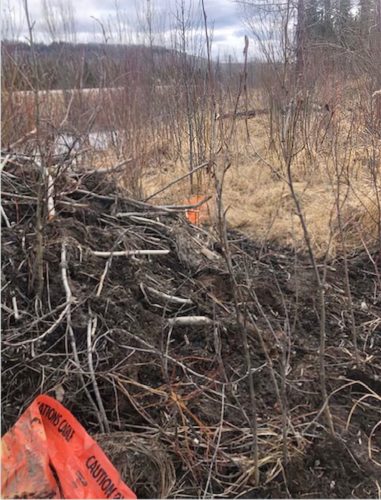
(50, 197)
(190, 321)
(136, 217)
(15, 308)
(65, 281)
(209, 254)
(103, 277)
(69, 301)
(168, 298)
(91, 327)
(127, 253)
(6, 220)
(4, 161)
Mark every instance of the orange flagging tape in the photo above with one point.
(199, 215)
(48, 454)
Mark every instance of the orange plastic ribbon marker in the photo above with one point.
(48, 454)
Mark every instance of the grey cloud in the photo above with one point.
(224, 16)
(241, 32)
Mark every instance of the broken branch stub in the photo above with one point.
(127, 253)
(190, 321)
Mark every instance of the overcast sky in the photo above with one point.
(224, 15)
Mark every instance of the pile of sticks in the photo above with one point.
(132, 324)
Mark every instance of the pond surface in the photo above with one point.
(100, 140)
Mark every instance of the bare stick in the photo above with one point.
(69, 300)
(168, 298)
(135, 216)
(4, 162)
(152, 350)
(103, 277)
(135, 203)
(4, 215)
(91, 326)
(190, 321)
(39, 258)
(187, 207)
(15, 308)
(50, 197)
(170, 209)
(116, 168)
(19, 196)
(217, 446)
(45, 334)
(178, 179)
(126, 253)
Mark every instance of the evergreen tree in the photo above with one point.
(328, 21)
(367, 15)
(344, 23)
(313, 18)
(364, 12)
(343, 14)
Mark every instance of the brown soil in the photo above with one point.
(177, 400)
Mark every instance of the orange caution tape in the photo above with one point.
(199, 215)
(48, 454)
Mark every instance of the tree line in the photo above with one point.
(342, 22)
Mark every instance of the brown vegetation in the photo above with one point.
(232, 349)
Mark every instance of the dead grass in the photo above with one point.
(258, 201)
(261, 206)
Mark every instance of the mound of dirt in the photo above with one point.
(139, 332)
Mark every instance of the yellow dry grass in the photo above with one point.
(261, 205)
(257, 201)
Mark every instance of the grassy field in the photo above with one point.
(260, 204)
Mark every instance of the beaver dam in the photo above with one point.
(140, 329)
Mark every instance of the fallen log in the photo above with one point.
(251, 113)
